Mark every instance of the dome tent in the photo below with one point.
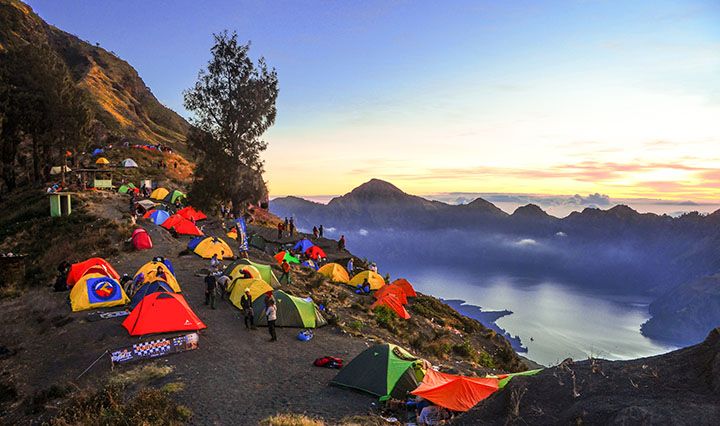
(147, 289)
(141, 239)
(375, 280)
(335, 273)
(95, 265)
(157, 216)
(128, 163)
(159, 193)
(162, 313)
(208, 246)
(96, 291)
(292, 311)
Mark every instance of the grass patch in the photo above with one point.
(386, 318)
(140, 375)
(364, 421)
(173, 387)
(355, 325)
(291, 420)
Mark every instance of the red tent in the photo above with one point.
(141, 239)
(162, 313)
(191, 214)
(95, 265)
(393, 289)
(315, 252)
(456, 393)
(181, 225)
(391, 301)
(406, 286)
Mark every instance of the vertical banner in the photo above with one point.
(242, 233)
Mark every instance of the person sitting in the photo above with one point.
(433, 415)
(160, 273)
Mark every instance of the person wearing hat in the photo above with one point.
(246, 305)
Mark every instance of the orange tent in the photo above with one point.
(456, 393)
(393, 289)
(190, 213)
(391, 301)
(406, 286)
(94, 265)
(181, 225)
(162, 313)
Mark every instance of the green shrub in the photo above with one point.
(355, 325)
(385, 317)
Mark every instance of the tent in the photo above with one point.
(128, 188)
(208, 246)
(266, 272)
(406, 286)
(94, 265)
(141, 239)
(241, 271)
(302, 245)
(56, 170)
(96, 291)
(97, 151)
(391, 301)
(503, 379)
(237, 289)
(292, 311)
(158, 217)
(181, 225)
(162, 313)
(159, 194)
(172, 196)
(315, 253)
(191, 214)
(310, 264)
(375, 280)
(456, 393)
(384, 370)
(102, 161)
(335, 272)
(128, 162)
(149, 288)
(393, 289)
(149, 271)
(287, 256)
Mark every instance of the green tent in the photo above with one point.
(505, 378)
(292, 311)
(174, 195)
(385, 370)
(266, 272)
(285, 255)
(124, 189)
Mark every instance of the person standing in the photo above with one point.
(320, 230)
(248, 314)
(281, 228)
(341, 243)
(286, 272)
(350, 267)
(210, 284)
(214, 263)
(271, 312)
(292, 227)
(316, 232)
(222, 282)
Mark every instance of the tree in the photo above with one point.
(233, 102)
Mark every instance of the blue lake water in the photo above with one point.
(563, 320)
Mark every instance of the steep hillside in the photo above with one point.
(125, 107)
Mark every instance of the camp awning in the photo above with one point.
(456, 393)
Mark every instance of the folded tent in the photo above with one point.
(141, 239)
(128, 163)
(149, 271)
(292, 311)
(302, 245)
(209, 246)
(383, 370)
(162, 313)
(286, 256)
(315, 253)
(149, 288)
(392, 302)
(456, 393)
(335, 273)
(375, 280)
(159, 193)
(94, 265)
(94, 291)
(158, 217)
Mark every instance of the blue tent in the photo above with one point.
(310, 264)
(194, 242)
(97, 151)
(303, 245)
(168, 263)
(150, 288)
(159, 216)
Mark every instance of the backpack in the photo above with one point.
(328, 362)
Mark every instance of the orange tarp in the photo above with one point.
(456, 393)
(391, 301)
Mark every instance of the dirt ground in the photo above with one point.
(235, 377)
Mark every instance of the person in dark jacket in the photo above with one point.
(246, 305)
(210, 284)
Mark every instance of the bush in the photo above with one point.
(386, 317)
(355, 325)
(485, 359)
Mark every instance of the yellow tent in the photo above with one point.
(335, 272)
(238, 286)
(150, 271)
(213, 245)
(102, 161)
(237, 272)
(96, 291)
(375, 280)
(159, 194)
(232, 234)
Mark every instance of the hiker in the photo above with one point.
(341, 243)
(281, 228)
(214, 262)
(320, 230)
(126, 282)
(366, 286)
(61, 281)
(286, 271)
(269, 298)
(373, 267)
(135, 284)
(271, 312)
(248, 314)
(292, 227)
(350, 267)
(160, 273)
(316, 232)
(210, 287)
(222, 282)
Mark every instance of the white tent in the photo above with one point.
(59, 169)
(128, 162)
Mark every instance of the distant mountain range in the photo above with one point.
(125, 107)
(617, 249)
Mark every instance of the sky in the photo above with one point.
(576, 97)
